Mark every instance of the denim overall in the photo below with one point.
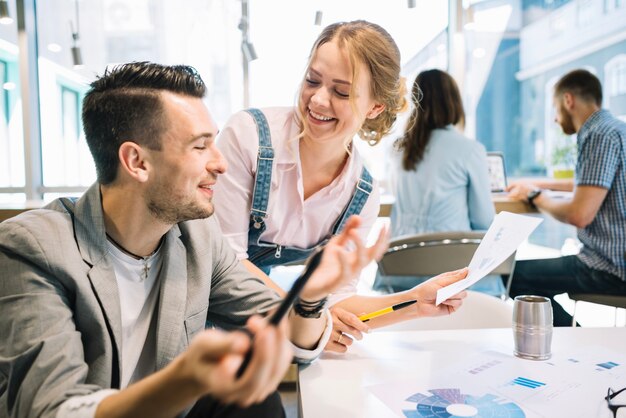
(263, 254)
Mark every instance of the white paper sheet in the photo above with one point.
(493, 384)
(505, 234)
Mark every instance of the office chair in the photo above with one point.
(434, 253)
(616, 301)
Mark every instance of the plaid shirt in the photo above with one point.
(602, 162)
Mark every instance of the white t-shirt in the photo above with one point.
(138, 289)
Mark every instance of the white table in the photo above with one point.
(337, 385)
(501, 203)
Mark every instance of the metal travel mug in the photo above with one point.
(532, 327)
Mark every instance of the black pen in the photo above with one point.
(284, 306)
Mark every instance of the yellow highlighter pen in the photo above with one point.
(386, 310)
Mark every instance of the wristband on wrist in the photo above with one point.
(532, 195)
(308, 309)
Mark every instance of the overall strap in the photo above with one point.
(265, 158)
(362, 191)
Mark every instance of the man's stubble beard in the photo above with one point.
(164, 206)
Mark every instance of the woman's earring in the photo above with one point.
(369, 136)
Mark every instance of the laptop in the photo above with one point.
(497, 172)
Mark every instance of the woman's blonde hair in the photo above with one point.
(370, 44)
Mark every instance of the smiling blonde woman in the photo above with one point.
(294, 176)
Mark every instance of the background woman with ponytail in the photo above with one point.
(295, 178)
(439, 176)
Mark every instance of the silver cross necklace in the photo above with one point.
(147, 260)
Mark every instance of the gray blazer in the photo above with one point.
(60, 328)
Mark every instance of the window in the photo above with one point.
(512, 54)
(66, 158)
(112, 32)
(615, 85)
(587, 12)
(11, 132)
(615, 73)
(610, 5)
(5, 163)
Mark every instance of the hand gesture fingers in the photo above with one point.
(426, 294)
(339, 342)
(346, 328)
(450, 277)
(352, 223)
(455, 302)
(349, 323)
(344, 257)
(214, 357)
(270, 360)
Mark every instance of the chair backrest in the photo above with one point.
(616, 301)
(434, 253)
(479, 310)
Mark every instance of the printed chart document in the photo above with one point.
(494, 384)
(506, 233)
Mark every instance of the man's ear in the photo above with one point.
(133, 161)
(375, 111)
(569, 100)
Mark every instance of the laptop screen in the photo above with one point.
(497, 172)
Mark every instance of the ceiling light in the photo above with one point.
(318, 18)
(248, 51)
(77, 56)
(54, 47)
(5, 17)
(479, 53)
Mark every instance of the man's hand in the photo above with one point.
(519, 190)
(213, 357)
(344, 258)
(426, 294)
(346, 328)
(208, 366)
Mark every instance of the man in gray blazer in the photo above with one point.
(104, 300)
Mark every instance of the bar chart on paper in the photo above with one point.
(527, 383)
(608, 365)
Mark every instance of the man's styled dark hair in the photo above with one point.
(580, 83)
(125, 105)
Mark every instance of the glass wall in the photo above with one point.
(107, 32)
(511, 53)
(11, 131)
(110, 32)
(514, 52)
(587, 34)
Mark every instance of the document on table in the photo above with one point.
(571, 384)
(505, 234)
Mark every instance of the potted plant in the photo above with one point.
(564, 159)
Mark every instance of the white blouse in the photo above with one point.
(291, 220)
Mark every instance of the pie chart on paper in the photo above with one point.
(444, 403)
